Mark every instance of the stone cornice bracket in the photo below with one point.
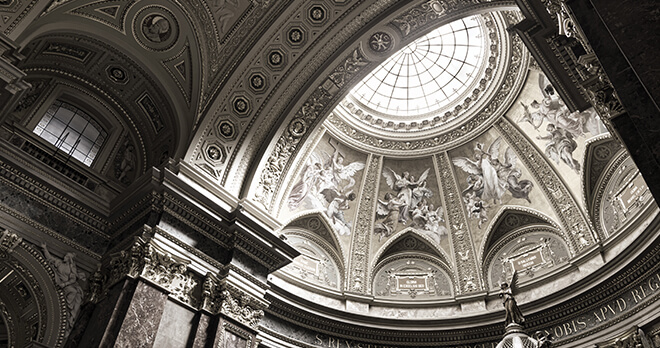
(9, 241)
(12, 82)
(259, 241)
(556, 41)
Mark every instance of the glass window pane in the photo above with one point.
(72, 131)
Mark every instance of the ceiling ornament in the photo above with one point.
(111, 13)
(155, 28)
(359, 257)
(467, 278)
(354, 125)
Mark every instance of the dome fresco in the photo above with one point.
(512, 197)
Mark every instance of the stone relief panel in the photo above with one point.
(315, 265)
(624, 196)
(556, 131)
(491, 176)
(329, 182)
(529, 252)
(411, 277)
(409, 199)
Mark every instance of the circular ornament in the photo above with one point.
(155, 28)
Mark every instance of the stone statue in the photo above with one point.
(513, 313)
(66, 277)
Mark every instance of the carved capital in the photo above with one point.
(9, 241)
(219, 297)
(149, 262)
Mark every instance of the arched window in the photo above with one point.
(72, 131)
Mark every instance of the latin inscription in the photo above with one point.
(411, 283)
(633, 192)
(607, 311)
(527, 260)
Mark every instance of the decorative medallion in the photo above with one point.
(380, 42)
(297, 127)
(226, 129)
(241, 105)
(317, 14)
(258, 82)
(117, 75)
(216, 153)
(155, 28)
(276, 59)
(295, 36)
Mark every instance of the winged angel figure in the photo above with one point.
(489, 179)
(409, 203)
(327, 184)
(513, 313)
(563, 126)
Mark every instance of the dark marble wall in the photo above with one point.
(624, 35)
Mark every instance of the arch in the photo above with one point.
(31, 302)
(254, 167)
(540, 246)
(317, 221)
(424, 272)
(510, 218)
(180, 94)
(600, 152)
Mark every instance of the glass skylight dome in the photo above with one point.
(429, 75)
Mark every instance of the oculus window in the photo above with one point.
(428, 74)
(72, 131)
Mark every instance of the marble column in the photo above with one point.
(127, 317)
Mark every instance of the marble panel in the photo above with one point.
(139, 327)
(175, 326)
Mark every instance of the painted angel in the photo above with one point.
(482, 165)
(311, 177)
(560, 145)
(554, 110)
(343, 172)
(404, 185)
(510, 175)
(513, 313)
(389, 209)
(337, 203)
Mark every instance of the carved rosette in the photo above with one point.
(468, 279)
(576, 228)
(356, 281)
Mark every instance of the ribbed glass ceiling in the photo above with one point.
(428, 74)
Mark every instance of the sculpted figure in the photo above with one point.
(513, 313)
(66, 277)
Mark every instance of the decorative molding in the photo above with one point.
(467, 278)
(358, 267)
